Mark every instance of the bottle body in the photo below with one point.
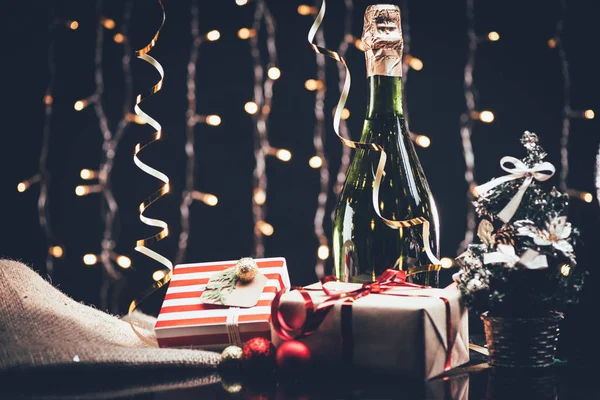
(363, 245)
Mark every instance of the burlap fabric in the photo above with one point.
(40, 327)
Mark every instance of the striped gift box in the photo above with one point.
(184, 321)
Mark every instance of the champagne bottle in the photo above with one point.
(363, 245)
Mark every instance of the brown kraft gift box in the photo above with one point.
(402, 330)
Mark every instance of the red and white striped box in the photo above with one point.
(184, 321)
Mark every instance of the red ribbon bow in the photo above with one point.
(315, 315)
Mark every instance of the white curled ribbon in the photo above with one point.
(540, 172)
(506, 254)
(142, 244)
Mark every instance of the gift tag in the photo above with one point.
(225, 288)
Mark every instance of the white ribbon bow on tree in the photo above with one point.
(506, 254)
(540, 172)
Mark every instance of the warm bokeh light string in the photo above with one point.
(567, 113)
(404, 14)
(323, 167)
(103, 175)
(260, 109)
(409, 62)
(108, 255)
(319, 160)
(42, 177)
(189, 193)
(470, 116)
(597, 176)
(344, 131)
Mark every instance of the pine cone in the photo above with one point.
(505, 235)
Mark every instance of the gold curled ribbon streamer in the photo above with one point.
(380, 173)
(142, 244)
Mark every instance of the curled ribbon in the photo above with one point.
(142, 244)
(380, 173)
(506, 254)
(315, 315)
(540, 172)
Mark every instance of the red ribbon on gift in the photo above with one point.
(315, 315)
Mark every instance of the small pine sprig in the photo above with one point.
(535, 152)
(221, 286)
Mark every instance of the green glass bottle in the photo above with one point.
(363, 245)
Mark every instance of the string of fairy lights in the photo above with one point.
(42, 177)
(320, 159)
(406, 57)
(189, 194)
(344, 131)
(568, 113)
(260, 109)
(597, 176)
(103, 175)
(471, 115)
(265, 74)
(409, 62)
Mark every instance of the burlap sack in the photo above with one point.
(40, 327)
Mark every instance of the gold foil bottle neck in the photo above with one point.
(382, 40)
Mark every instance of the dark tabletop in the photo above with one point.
(476, 380)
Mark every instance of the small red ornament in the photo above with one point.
(293, 356)
(259, 351)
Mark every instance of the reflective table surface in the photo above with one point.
(476, 380)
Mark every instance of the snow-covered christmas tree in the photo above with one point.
(524, 264)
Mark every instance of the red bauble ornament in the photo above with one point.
(293, 356)
(258, 351)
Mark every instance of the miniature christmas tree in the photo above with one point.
(524, 264)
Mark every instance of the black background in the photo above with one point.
(517, 77)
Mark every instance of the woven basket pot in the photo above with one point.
(521, 342)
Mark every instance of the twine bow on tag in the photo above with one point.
(540, 172)
(233, 326)
(506, 254)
